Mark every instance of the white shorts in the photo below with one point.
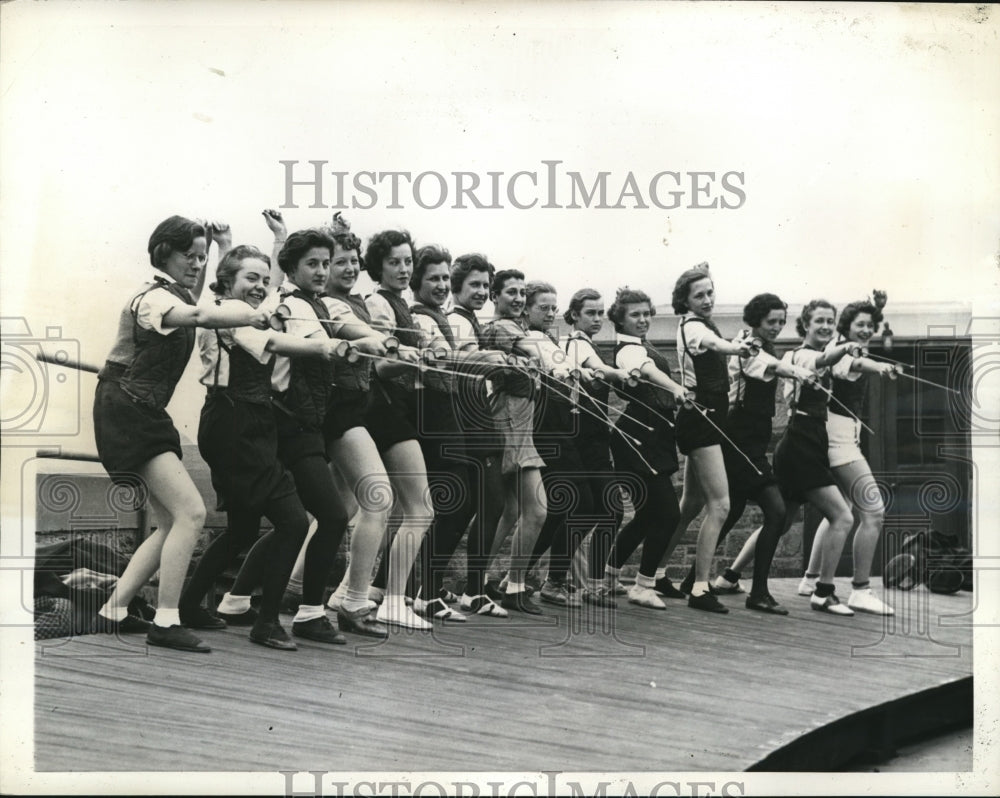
(844, 434)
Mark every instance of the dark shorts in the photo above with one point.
(128, 433)
(388, 416)
(348, 408)
(753, 436)
(693, 431)
(297, 441)
(239, 441)
(800, 458)
(656, 449)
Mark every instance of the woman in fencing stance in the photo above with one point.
(470, 278)
(643, 446)
(525, 504)
(858, 322)
(238, 438)
(702, 355)
(136, 439)
(801, 458)
(751, 409)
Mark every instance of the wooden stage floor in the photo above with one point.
(634, 690)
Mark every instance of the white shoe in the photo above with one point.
(336, 597)
(866, 601)
(830, 604)
(724, 586)
(645, 597)
(394, 612)
(808, 585)
(482, 605)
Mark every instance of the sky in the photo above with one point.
(866, 136)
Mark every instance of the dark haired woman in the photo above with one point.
(751, 410)
(645, 467)
(702, 355)
(525, 505)
(389, 261)
(136, 439)
(238, 438)
(801, 458)
(471, 276)
(569, 496)
(858, 322)
(585, 315)
(302, 389)
(449, 466)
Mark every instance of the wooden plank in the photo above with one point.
(494, 694)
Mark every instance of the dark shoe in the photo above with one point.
(707, 602)
(271, 635)
(765, 603)
(599, 598)
(319, 630)
(521, 603)
(200, 618)
(494, 592)
(361, 621)
(130, 625)
(175, 637)
(666, 589)
(290, 602)
(248, 618)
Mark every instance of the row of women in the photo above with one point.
(420, 426)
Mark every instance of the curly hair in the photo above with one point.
(231, 264)
(624, 297)
(427, 255)
(576, 303)
(466, 264)
(802, 322)
(175, 234)
(851, 311)
(683, 287)
(757, 309)
(299, 243)
(500, 279)
(379, 247)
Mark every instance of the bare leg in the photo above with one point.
(363, 472)
(404, 463)
(711, 473)
(180, 512)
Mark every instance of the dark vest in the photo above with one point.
(439, 382)
(249, 379)
(599, 391)
(146, 364)
(711, 371)
(659, 398)
(850, 392)
(756, 397)
(310, 378)
(354, 376)
(809, 400)
(407, 330)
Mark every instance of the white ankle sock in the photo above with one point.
(113, 613)
(699, 588)
(645, 581)
(234, 605)
(167, 617)
(308, 612)
(660, 573)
